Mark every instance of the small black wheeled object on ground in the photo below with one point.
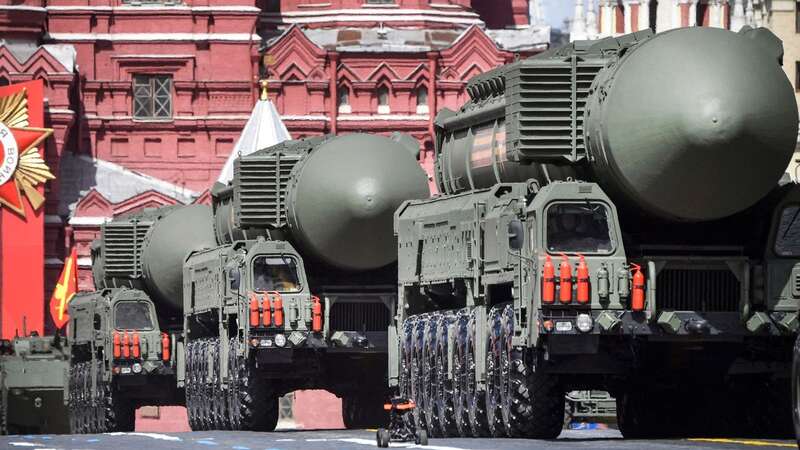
(400, 429)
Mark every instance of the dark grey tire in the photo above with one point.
(494, 407)
(258, 405)
(475, 397)
(429, 376)
(460, 376)
(443, 393)
(417, 364)
(364, 410)
(796, 390)
(533, 406)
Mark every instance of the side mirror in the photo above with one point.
(516, 234)
(234, 278)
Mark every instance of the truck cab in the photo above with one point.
(118, 353)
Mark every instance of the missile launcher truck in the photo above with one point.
(287, 282)
(612, 216)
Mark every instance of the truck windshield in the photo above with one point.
(132, 316)
(578, 228)
(787, 239)
(275, 273)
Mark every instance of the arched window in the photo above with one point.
(343, 99)
(422, 100)
(383, 100)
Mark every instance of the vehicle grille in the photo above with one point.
(359, 317)
(122, 248)
(550, 100)
(704, 290)
(260, 184)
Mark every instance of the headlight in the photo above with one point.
(136, 367)
(584, 323)
(280, 340)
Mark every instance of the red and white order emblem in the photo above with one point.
(10, 154)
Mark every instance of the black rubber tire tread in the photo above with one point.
(494, 414)
(232, 397)
(72, 399)
(460, 399)
(535, 402)
(190, 386)
(444, 390)
(769, 412)
(202, 385)
(219, 414)
(429, 373)
(417, 363)
(795, 380)
(405, 371)
(475, 397)
(258, 407)
(637, 416)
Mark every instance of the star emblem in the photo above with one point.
(22, 168)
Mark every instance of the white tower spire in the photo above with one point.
(535, 12)
(737, 19)
(577, 31)
(591, 20)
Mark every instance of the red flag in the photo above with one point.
(65, 289)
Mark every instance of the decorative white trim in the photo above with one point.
(88, 220)
(180, 8)
(85, 261)
(374, 18)
(60, 111)
(22, 8)
(367, 12)
(151, 37)
(174, 118)
(305, 118)
(387, 117)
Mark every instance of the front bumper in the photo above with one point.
(673, 325)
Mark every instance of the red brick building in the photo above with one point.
(148, 97)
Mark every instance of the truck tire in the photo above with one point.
(429, 374)
(533, 404)
(406, 363)
(206, 419)
(73, 399)
(232, 395)
(417, 364)
(460, 398)
(364, 410)
(445, 407)
(638, 417)
(257, 403)
(220, 413)
(795, 381)
(475, 397)
(190, 386)
(494, 407)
